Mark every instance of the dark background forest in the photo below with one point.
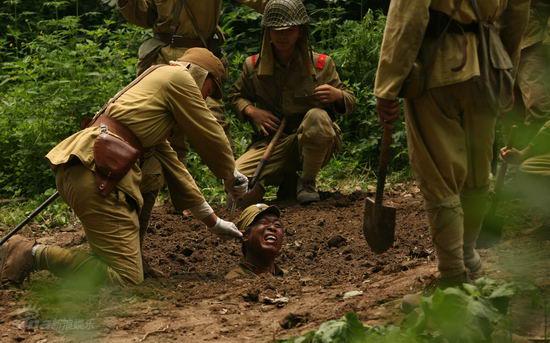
(61, 60)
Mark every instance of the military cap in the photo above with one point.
(205, 59)
(250, 213)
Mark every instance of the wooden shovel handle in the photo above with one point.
(383, 165)
(267, 154)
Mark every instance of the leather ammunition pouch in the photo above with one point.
(440, 23)
(116, 150)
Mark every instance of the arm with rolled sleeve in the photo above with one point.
(199, 125)
(405, 27)
(138, 12)
(184, 192)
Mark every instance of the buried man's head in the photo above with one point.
(262, 237)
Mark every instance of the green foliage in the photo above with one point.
(61, 60)
(468, 314)
(67, 72)
(57, 214)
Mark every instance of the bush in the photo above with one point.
(62, 60)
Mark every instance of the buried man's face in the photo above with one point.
(265, 237)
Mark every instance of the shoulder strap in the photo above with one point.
(195, 24)
(122, 91)
(174, 25)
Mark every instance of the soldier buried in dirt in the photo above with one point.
(263, 235)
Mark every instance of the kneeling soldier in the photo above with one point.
(162, 99)
(288, 80)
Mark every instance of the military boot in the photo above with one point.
(306, 192)
(16, 260)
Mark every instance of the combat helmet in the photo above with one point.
(284, 13)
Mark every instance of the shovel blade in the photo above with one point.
(378, 226)
(491, 231)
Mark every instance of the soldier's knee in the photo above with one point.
(317, 124)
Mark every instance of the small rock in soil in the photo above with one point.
(293, 320)
(352, 294)
(336, 241)
(252, 296)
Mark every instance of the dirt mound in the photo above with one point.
(329, 271)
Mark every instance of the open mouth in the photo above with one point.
(270, 238)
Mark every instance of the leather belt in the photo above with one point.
(179, 41)
(441, 22)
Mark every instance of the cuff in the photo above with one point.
(240, 105)
(202, 211)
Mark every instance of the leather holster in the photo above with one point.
(116, 150)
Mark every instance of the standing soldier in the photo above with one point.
(98, 176)
(177, 26)
(450, 122)
(288, 80)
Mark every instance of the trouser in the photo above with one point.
(309, 149)
(111, 227)
(450, 133)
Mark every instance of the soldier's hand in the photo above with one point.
(237, 186)
(388, 111)
(225, 230)
(266, 121)
(327, 94)
(511, 155)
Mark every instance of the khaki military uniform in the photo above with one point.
(450, 128)
(159, 16)
(165, 99)
(533, 78)
(311, 137)
(243, 271)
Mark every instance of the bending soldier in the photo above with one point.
(177, 26)
(450, 127)
(288, 80)
(143, 116)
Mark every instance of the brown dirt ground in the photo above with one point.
(325, 256)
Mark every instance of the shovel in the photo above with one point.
(491, 229)
(379, 220)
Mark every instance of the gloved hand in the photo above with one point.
(225, 229)
(237, 186)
